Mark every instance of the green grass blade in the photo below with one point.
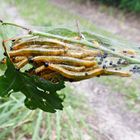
(37, 126)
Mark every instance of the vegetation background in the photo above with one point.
(129, 5)
(110, 107)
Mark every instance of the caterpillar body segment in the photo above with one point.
(22, 63)
(89, 58)
(51, 76)
(48, 46)
(26, 44)
(117, 73)
(82, 54)
(42, 42)
(47, 52)
(129, 52)
(38, 46)
(75, 75)
(64, 60)
(18, 59)
(40, 69)
(52, 43)
(67, 67)
(34, 52)
(72, 68)
(13, 59)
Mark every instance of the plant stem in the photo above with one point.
(13, 24)
(82, 42)
(89, 44)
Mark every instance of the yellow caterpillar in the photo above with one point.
(53, 59)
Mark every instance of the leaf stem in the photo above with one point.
(13, 24)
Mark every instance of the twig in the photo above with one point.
(79, 32)
(13, 24)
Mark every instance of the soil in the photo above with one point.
(112, 119)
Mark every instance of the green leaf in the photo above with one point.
(39, 93)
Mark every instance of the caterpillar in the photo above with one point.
(67, 67)
(75, 75)
(35, 51)
(54, 59)
(64, 60)
(22, 63)
(118, 73)
(43, 51)
(18, 59)
(51, 42)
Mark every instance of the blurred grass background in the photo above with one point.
(17, 122)
(128, 5)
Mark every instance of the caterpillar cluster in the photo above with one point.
(54, 59)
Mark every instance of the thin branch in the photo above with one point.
(78, 29)
(13, 24)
